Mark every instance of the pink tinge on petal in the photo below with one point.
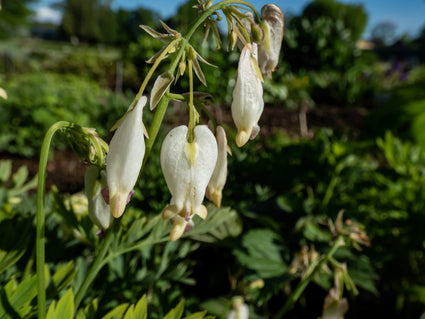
(189, 227)
(129, 196)
(105, 194)
(187, 217)
(100, 234)
(254, 132)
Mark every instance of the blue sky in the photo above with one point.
(407, 15)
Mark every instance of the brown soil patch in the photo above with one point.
(66, 170)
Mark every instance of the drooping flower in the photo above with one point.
(247, 104)
(125, 157)
(187, 168)
(239, 309)
(99, 211)
(273, 24)
(219, 176)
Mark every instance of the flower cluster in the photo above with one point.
(193, 160)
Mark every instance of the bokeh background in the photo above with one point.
(343, 130)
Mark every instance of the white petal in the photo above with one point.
(247, 104)
(218, 179)
(205, 162)
(125, 157)
(99, 211)
(268, 57)
(175, 166)
(187, 181)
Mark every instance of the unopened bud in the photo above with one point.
(257, 33)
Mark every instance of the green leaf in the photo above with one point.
(62, 278)
(89, 311)
(5, 170)
(221, 223)
(177, 312)
(140, 310)
(117, 313)
(13, 243)
(51, 313)
(15, 299)
(197, 315)
(262, 254)
(20, 176)
(65, 306)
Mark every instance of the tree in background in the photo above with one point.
(324, 37)
(13, 17)
(353, 16)
(129, 20)
(384, 33)
(89, 21)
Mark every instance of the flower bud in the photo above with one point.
(125, 157)
(99, 211)
(247, 104)
(219, 176)
(187, 168)
(273, 24)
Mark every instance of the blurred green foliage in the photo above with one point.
(37, 100)
(353, 16)
(14, 18)
(283, 193)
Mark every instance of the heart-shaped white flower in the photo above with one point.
(247, 104)
(187, 168)
(125, 157)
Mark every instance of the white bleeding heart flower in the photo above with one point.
(125, 157)
(239, 309)
(247, 104)
(273, 24)
(219, 176)
(99, 211)
(187, 168)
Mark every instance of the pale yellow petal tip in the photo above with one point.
(201, 211)
(169, 212)
(242, 137)
(177, 230)
(117, 206)
(215, 197)
(3, 93)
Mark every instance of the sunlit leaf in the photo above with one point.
(177, 312)
(117, 313)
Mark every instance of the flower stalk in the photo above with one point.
(41, 216)
(314, 268)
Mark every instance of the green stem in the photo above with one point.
(97, 264)
(192, 121)
(161, 108)
(153, 68)
(309, 276)
(155, 126)
(41, 218)
(137, 246)
(216, 7)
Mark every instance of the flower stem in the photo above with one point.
(41, 218)
(216, 7)
(97, 264)
(153, 68)
(309, 276)
(155, 126)
(192, 120)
